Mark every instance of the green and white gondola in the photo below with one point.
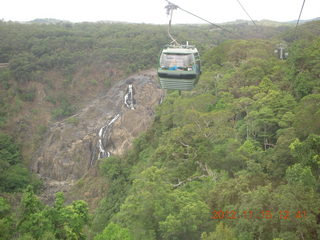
(179, 67)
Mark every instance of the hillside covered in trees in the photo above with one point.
(238, 157)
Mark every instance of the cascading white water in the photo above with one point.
(102, 133)
(128, 98)
(129, 102)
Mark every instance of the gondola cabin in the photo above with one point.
(179, 67)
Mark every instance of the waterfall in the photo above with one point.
(128, 98)
(129, 102)
(102, 133)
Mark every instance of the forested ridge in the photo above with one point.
(238, 157)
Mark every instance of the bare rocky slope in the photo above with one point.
(105, 127)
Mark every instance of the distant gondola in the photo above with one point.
(179, 67)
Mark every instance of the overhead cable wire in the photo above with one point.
(246, 12)
(222, 28)
(299, 16)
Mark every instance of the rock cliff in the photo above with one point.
(104, 127)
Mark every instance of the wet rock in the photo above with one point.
(71, 147)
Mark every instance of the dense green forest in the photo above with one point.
(237, 158)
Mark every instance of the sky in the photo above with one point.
(153, 11)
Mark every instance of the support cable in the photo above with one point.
(246, 12)
(299, 17)
(222, 28)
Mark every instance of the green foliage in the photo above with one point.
(145, 207)
(187, 218)
(6, 223)
(152, 209)
(14, 176)
(297, 174)
(30, 204)
(305, 74)
(5, 76)
(229, 145)
(22, 65)
(114, 232)
(307, 152)
(222, 232)
(117, 172)
(9, 151)
(4, 207)
(307, 120)
(58, 222)
(246, 139)
(63, 110)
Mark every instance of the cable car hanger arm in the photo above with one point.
(170, 7)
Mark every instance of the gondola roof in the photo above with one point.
(179, 49)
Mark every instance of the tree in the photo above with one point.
(304, 56)
(68, 221)
(9, 151)
(114, 232)
(6, 223)
(147, 204)
(34, 219)
(22, 65)
(189, 217)
(116, 170)
(307, 152)
(14, 176)
(307, 120)
(255, 212)
(297, 174)
(58, 222)
(266, 115)
(297, 209)
(222, 232)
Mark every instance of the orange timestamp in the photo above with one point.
(284, 214)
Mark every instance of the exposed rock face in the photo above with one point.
(105, 127)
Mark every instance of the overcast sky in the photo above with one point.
(152, 11)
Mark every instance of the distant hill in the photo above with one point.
(304, 21)
(266, 22)
(263, 22)
(48, 21)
